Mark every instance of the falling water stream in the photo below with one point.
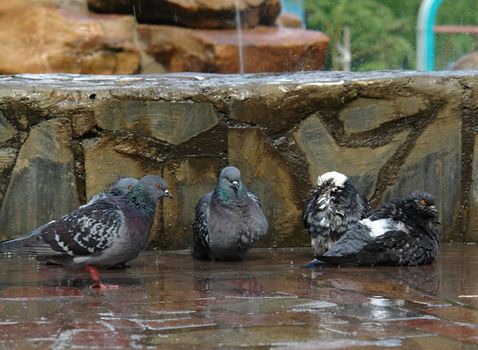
(239, 37)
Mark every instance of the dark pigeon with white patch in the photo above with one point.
(401, 232)
(332, 208)
(228, 220)
(106, 232)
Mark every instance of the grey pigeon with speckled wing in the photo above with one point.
(106, 232)
(228, 220)
(331, 209)
(401, 232)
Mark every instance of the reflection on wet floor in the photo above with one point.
(170, 301)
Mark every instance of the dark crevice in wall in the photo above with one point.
(151, 152)
(381, 136)
(12, 117)
(79, 159)
(158, 228)
(145, 149)
(24, 116)
(388, 174)
(373, 138)
(468, 132)
(92, 133)
(15, 143)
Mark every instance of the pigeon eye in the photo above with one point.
(423, 202)
(158, 186)
(130, 187)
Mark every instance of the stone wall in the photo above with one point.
(65, 137)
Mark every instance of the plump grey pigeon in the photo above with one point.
(401, 232)
(228, 220)
(332, 208)
(104, 233)
(119, 187)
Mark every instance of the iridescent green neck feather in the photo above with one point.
(140, 200)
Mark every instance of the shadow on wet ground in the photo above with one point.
(169, 301)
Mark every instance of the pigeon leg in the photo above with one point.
(95, 276)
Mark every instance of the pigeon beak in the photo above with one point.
(433, 209)
(168, 194)
(235, 186)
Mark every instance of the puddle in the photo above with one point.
(260, 303)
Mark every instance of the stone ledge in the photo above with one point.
(296, 126)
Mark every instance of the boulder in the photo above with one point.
(264, 49)
(289, 20)
(42, 37)
(194, 14)
(467, 62)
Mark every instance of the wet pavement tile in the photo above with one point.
(169, 301)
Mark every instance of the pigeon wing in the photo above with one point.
(200, 230)
(85, 231)
(387, 210)
(252, 195)
(387, 249)
(345, 250)
(398, 248)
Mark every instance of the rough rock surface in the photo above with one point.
(265, 49)
(392, 132)
(194, 14)
(365, 114)
(7, 131)
(473, 218)
(42, 184)
(103, 165)
(188, 181)
(43, 38)
(171, 122)
(267, 173)
(323, 154)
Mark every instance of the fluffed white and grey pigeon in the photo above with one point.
(401, 232)
(228, 220)
(119, 187)
(332, 208)
(104, 233)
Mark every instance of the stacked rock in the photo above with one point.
(154, 36)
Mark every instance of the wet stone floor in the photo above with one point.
(169, 301)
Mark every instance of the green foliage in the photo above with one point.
(376, 33)
(383, 32)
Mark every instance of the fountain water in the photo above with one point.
(239, 37)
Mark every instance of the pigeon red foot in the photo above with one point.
(95, 276)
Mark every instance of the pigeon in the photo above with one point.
(107, 232)
(227, 220)
(119, 187)
(332, 208)
(402, 232)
